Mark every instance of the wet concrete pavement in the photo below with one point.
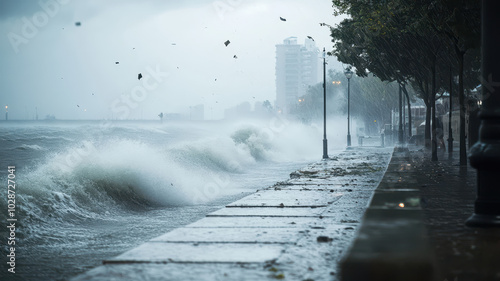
(414, 227)
(297, 229)
(392, 242)
(448, 192)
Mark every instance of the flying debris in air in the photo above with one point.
(77, 105)
(310, 38)
(78, 23)
(235, 57)
(117, 62)
(227, 42)
(282, 19)
(215, 79)
(139, 76)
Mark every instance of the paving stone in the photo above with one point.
(178, 271)
(269, 211)
(258, 222)
(157, 252)
(231, 235)
(288, 198)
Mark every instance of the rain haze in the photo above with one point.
(127, 119)
(81, 59)
(217, 140)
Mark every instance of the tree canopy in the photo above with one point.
(412, 42)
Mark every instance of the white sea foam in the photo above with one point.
(30, 147)
(99, 176)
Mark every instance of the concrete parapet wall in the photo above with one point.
(392, 242)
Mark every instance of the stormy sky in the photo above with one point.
(80, 59)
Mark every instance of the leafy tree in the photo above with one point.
(459, 22)
(267, 105)
(408, 42)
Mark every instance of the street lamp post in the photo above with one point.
(325, 142)
(485, 154)
(348, 73)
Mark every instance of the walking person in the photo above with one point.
(440, 133)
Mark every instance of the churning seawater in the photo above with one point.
(88, 191)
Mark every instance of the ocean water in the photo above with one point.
(90, 190)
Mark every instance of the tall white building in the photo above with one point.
(296, 70)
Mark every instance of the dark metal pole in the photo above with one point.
(450, 130)
(434, 143)
(403, 107)
(348, 112)
(485, 154)
(400, 131)
(325, 142)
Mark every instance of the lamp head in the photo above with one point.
(348, 74)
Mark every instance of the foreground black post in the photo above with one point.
(485, 154)
(325, 142)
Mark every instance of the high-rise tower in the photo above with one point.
(296, 70)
